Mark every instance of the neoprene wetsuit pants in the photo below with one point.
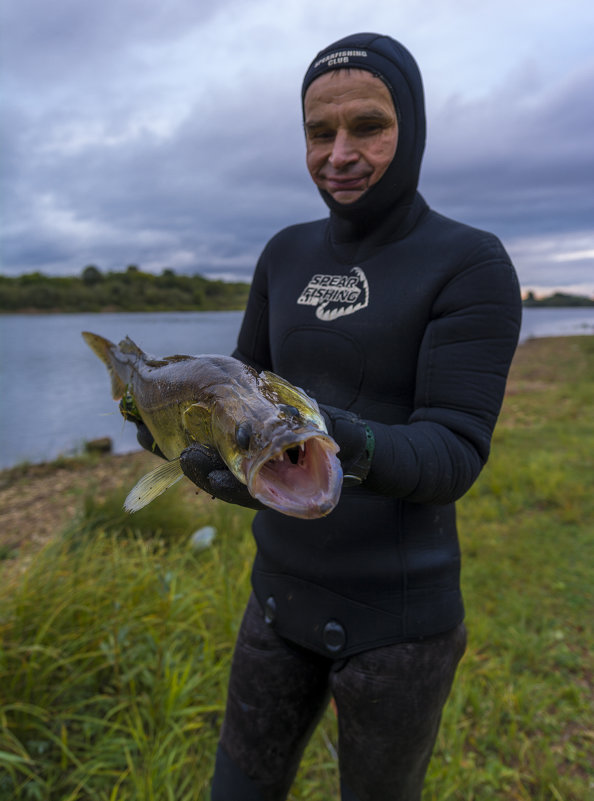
(389, 702)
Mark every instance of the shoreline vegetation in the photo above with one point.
(136, 291)
(116, 631)
(128, 291)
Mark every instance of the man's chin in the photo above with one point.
(346, 196)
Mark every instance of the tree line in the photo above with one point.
(130, 290)
(558, 299)
(135, 290)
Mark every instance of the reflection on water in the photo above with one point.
(55, 393)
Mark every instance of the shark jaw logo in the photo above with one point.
(336, 295)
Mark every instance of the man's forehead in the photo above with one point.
(346, 84)
(345, 76)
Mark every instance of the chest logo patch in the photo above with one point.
(336, 295)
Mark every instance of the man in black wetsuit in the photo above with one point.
(402, 324)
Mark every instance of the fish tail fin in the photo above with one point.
(152, 485)
(104, 349)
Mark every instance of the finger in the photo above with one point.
(226, 487)
(224, 481)
(198, 461)
(144, 437)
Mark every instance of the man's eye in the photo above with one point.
(369, 129)
(321, 136)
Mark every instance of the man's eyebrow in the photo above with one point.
(311, 124)
(371, 115)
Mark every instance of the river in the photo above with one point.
(54, 392)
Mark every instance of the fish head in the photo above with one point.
(276, 442)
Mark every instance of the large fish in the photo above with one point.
(270, 434)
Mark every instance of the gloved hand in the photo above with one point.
(205, 468)
(143, 435)
(355, 440)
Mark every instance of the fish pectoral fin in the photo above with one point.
(152, 485)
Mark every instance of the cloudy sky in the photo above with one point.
(168, 134)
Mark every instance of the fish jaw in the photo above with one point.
(298, 476)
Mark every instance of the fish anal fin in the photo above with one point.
(152, 485)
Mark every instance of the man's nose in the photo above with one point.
(343, 151)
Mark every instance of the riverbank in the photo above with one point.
(116, 631)
(38, 500)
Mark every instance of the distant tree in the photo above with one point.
(130, 290)
(167, 278)
(91, 275)
(32, 278)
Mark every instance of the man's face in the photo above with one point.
(351, 132)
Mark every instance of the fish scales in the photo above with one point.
(270, 433)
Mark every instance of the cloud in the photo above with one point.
(521, 156)
(172, 137)
(519, 162)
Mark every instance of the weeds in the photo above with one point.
(116, 641)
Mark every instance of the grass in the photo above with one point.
(115, 643)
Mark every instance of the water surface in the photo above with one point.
(55, 393)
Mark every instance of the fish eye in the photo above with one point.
(290, 411)
(243, 435)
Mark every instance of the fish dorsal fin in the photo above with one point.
(277, 389)
(128, 346)
(152, 485)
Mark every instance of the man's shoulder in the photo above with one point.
(446, 231)
(299, 233)
(445, 224)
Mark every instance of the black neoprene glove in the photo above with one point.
(355, 440)
(205, 468)
(143, 435)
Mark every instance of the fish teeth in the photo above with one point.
(279, 457)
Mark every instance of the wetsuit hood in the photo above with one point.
(390, 61)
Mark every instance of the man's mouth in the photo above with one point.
(355, 182)
(352, 183)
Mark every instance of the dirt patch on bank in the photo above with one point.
(37, 501)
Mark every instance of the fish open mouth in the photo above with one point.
(301, 478)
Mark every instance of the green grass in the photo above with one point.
(115, 643)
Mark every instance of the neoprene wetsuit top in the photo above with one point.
(410, 320)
